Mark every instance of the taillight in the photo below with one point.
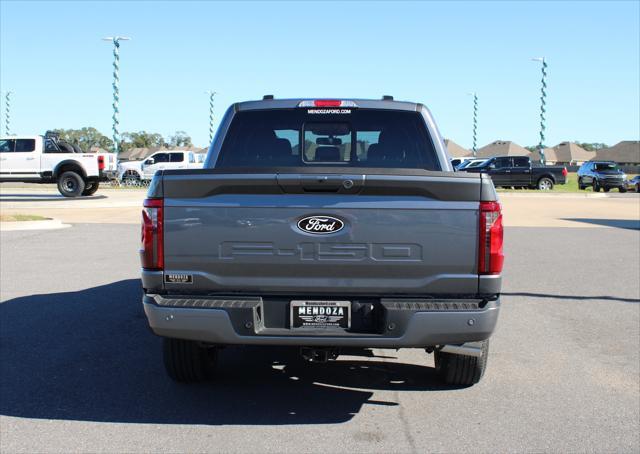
(152, 252)
(100, 162)
(564, 172)
(327, 103)
(490, 256)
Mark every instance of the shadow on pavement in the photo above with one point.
(572, 297)
(88, 355)
(630, 224)
(5, 197)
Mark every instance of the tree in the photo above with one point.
(595, 146)
(532, 148)
(85, 138)
(180, 139)
(141, 139)
(88, 137)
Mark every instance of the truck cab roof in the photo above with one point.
(293, 103)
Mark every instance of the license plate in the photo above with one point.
(321, 314)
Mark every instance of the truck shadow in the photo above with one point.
(88, 355)
(629, 224)
(572, 297)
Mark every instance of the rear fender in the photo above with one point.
(69, 165)
(546, 175)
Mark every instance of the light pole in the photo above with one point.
(475, 121)
(211, 94)
(543, 103)
(7, 113)
(116, 87)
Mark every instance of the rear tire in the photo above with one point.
(187, 361)
(545, 184)
(596, 186)
(621, 189)
(461, 370)
(131, 179)
(70, 184)
(91, 188)
(605, 189)
(580, 185)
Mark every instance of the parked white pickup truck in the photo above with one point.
(40, 159)
(138, 171)
(169, 160)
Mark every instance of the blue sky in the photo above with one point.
(53, 59)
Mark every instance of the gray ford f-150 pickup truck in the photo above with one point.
(323, 224)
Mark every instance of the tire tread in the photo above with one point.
(185, 361)
(91, 188)
(460, 369)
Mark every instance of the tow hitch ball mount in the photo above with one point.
(320, 354)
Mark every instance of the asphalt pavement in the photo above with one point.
(81, 372)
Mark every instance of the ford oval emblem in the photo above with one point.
(320, 225)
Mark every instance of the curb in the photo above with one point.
(561, 195)
(49, 224)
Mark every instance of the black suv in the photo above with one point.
(603, 175)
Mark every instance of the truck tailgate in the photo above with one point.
(400, 234)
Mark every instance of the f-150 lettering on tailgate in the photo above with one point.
(397, 252)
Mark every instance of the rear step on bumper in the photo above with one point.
(408, 323)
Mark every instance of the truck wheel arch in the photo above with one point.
(69, 165)
(545, 183)
(546, 175)
(131, 173)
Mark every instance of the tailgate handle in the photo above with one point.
(321, 183)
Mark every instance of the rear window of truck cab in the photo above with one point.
(352, 138)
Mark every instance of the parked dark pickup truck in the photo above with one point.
(517, 171)
(323, 224)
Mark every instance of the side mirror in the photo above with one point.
(149, 161)
(491, 166)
